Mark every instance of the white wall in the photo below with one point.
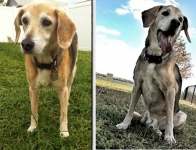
(79, 13)
(81, 16)
(7, 15)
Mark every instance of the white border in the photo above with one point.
(93, 7)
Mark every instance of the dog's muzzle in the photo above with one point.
(27, 45)
(165, 37)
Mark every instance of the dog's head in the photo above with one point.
(165, 24)
(45, 26)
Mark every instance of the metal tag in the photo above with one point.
(54, 74)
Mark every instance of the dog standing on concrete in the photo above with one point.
(156, 75)
(50, 48)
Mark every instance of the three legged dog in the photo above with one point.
(157, 77)
(50, 48)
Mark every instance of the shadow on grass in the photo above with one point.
(110, 111)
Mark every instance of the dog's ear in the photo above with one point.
(148, 16)
(65, 29)
(17, 23)
(185, 28)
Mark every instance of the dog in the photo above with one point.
(156, 76)
(50, 47)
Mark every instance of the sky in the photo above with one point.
(120, 36)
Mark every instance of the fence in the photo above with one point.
(190, 94)
(80, 13)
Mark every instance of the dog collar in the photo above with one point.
(155, 59)
(49, 66)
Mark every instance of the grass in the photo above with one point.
(15, 107)
(113, 85)
(110, 111)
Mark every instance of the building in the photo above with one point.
(190, 94)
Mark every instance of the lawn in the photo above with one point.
(15, 107)
(110, 111)
(113, 85)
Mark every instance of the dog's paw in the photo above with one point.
(64, 134)
(31, 129)
(169, 139)
(122, 126)
(158, 132)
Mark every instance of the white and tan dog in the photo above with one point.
(50, 48)
(156, 75)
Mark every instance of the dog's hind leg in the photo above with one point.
(34, 96)
(70, 80)
(134, 99)
(63, 94)
(179, 121)
(151, 122)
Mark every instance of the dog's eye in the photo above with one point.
(180, 19)
(46, 22)
(25, 21)
(165, 13)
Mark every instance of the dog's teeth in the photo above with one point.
(169, 38)
(159, 35)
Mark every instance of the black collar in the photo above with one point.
(49, 66)
(155, 59)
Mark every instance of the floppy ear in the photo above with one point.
(148, 16)
(185, 28)
(65, 29)
(17, 23)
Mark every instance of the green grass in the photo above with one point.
(113, 85)
(15, 107)
(110, 112)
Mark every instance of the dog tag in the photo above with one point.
(54, 74)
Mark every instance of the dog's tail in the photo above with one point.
(136, 114)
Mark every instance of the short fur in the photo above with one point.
(159, 82)
(50, 40)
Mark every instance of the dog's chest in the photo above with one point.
(44, 78)
(150, 70)
(148, 77)
(150, 84)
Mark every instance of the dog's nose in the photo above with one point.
(27, 44)
(175, 23)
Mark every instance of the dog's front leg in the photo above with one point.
(134, 99)
(170, 99)
(34, 96)
(63, 97)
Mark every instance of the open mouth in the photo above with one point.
(164, 40)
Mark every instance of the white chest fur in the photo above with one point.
(148, 82)
(150, 69)
(43, 77)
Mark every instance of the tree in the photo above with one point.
(183, 59)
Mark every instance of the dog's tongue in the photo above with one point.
(164, 42)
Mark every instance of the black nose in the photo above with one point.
(27, 44)
(175, 23)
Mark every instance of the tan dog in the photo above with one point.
(157, 77)
(50, 48)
